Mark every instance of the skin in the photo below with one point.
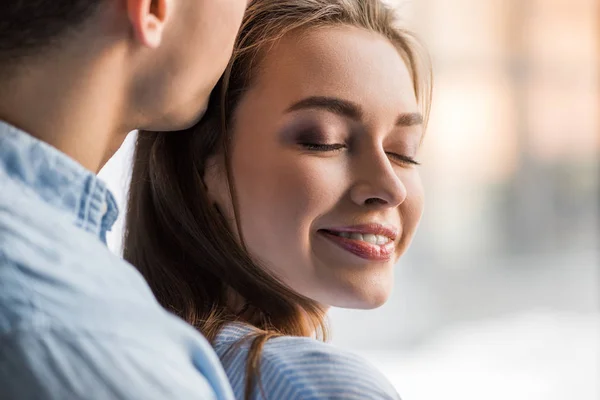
(288, 191)
(135, 64)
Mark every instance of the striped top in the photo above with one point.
(299, 368)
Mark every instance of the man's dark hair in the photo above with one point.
(30, 26)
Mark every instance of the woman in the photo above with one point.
(298, 191)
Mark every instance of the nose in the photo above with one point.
(377, 183)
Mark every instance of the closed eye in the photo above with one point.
(339, 146)
(403, 159)
(323, 147)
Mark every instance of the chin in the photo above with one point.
(362, 298)
(370, 301)
(365, 289)
(194, 116)
(179, 119)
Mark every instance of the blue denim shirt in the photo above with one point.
(77, 322)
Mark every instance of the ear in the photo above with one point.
(148, 18)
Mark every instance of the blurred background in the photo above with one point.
(499, 296)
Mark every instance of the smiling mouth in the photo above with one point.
(377, 244)
(366, 237)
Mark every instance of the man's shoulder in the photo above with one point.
(26, 219)
(52, 269)
(38, 237)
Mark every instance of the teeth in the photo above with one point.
(356, 236)
(367, 237)
(382, 239)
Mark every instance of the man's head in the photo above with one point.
(166, 55)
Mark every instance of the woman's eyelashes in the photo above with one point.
(320, 147)
(334, 147)
(403, 159)
(317, 141)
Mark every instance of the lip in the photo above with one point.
(368, 251)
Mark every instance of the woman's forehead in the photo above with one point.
(338, 61)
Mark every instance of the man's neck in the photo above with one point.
(75, 104)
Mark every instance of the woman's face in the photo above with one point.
(323, 162)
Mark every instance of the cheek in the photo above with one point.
(412, 208)
(220, 22)
(280, 194)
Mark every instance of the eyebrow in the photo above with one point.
(349, 109)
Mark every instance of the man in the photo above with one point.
(75, 77)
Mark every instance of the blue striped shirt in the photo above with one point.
(294, 368)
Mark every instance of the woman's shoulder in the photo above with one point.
(304, 368)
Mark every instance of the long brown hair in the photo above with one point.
(180, 241)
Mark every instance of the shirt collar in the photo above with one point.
(58, 180)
